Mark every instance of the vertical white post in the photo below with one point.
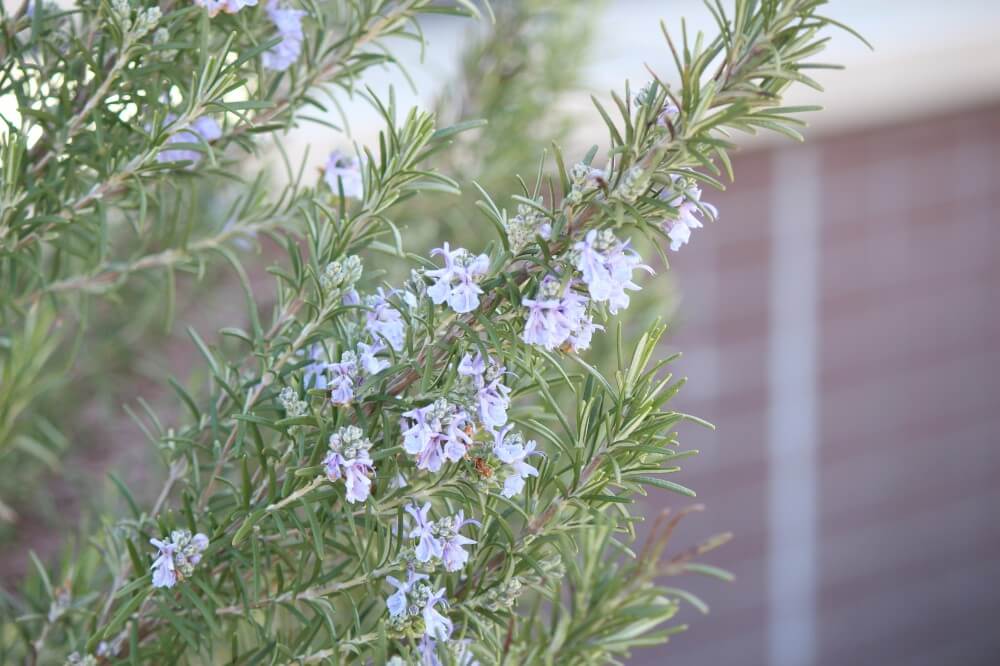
(793, 411)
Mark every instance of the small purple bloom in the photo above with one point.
(558, 316)
(397, 602)
(453, 553)
(428, 545)
(436, 433)
(436, 625)
(204, 129)
(228, 6)
(314, 374)
(457, 283)
(289, 24)
(343, 170)
(351, 297)
(177, 557)
(164, 573)
(349, 458)
(668, 113)
(342, 378)
(492, 396)
(606, 265)
(370, 363)
(685, 196)
(385, 321)
(513, 451)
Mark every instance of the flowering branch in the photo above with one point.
(402, 469)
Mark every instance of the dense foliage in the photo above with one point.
(403, 466)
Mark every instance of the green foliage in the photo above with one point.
(295, 570)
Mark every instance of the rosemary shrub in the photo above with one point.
(427, 470)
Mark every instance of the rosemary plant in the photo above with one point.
(424, 471)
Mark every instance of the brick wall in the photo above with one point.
(887, 523)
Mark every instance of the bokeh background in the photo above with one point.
(839, 325)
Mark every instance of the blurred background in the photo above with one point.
(839, 325)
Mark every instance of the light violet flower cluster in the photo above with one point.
(492, 396)
(457, 283)
(344, 171)
(351, 371)
(229, 6)
(606, 264)
(440, 539)
(289, 24)
(436, 433)
(414, 599)
(558, 317)
(513, 451)
(384, 321)
(685, 196)
(349, 459)
(177, 557)
(203, 129)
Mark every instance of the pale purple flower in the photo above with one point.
(351, 297)
(460, 653)
(440, 539)
(557, 316)
(436, 433)
(344, 170)
(668, 114)
(606, 264)
(204, 129)
(349, 458)
(457, 282)
(678, 232)
(370, 363)
(314, 374)
(233, 6)
(492, 396)
(494, 399)
(228, 6)
(418, 439)
(397, 602)
(428, 652)
(429, 545)
(385, 321)
(453, 552)
(342, 377)
(513, 452)
(457, 439)
(581, 337)
(685, 197)
(289, 24)
(472, 366)
(177, 557)
(436, 625)
(164, 572)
